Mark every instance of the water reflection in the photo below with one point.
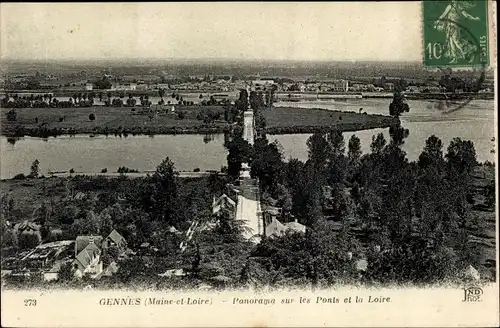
(209, 137)
(84, 153)
(12, 141)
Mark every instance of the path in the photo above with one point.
(248, 205)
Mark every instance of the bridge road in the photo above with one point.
(248, 205)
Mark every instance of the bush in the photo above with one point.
(29, 240)
(104, 170)
(124, 169)
(66, 272)
(19, 176)
(92, 117)
(72, 171)
(61, 119)
(181, 115)
(196, 169)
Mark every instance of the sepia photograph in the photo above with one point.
(184, 164)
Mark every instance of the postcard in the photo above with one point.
(249, 164)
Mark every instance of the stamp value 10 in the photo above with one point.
(455, 33)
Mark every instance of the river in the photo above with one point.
(84, 153)
(474, 121)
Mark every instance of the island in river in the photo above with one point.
(45, 122)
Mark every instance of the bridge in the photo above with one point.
(248, 205)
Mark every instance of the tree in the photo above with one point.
(239, 151)
(29, 240)
(256, 100)
(432, 154)
(398, 134)
(400, 85)
(103, 83)
(320, 256)
(354, 149)
(181, 115)
(319, 150)
(11, 115)
(92, 116)
(230, 229)
(161, 93)
(66, 272)
(35, 169)
(110, 254)
(165, 189)
(267, 163)
(378, 143)
(398, 105)
(337, 143)
(461, 155)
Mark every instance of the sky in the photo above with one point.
(335, 31)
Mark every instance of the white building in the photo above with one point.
(340, 86)
(124, 87)
(262, 83)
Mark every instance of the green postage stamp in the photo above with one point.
(455, 33)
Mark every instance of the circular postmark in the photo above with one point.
(462, 68)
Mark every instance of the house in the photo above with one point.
(44, 256)
(273, 227)
(173, 230)
(389, 86)
(110, 270)
(53, 272)
(173, 273)
(413, 88)
(340, 86)
(361, 265)
(295, 226)
(88, 261)
(115, 239)
(83, 241)
(471, 273)
(28, 231)
(89, 87)
(27, 227)
(224, 202)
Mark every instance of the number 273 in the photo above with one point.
(30, 302)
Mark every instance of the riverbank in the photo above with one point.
(288, 120)
(46, 122)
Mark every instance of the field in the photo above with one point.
(299, 120)
(110, 120)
